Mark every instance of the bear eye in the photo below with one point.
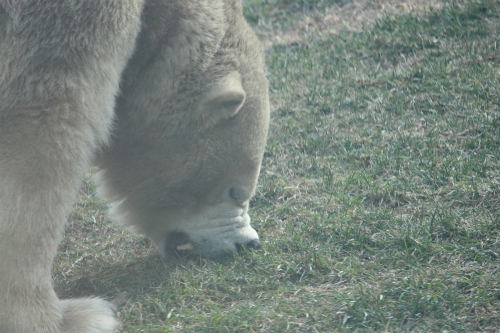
(238, 194)
(232, 193)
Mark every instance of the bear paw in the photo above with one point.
(88, 315)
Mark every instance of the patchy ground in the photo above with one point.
(350, 16)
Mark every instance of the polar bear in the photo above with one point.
(168, 98)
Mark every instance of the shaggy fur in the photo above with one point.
(188, 143)
(183, 156)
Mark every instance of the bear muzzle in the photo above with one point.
(216, 238)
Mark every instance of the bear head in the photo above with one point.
(190, 130)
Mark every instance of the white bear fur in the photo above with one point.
(187, 146)
(169, 167)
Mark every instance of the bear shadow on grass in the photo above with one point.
(112, 280)
(116, 282)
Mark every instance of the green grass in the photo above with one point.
(283, 11)
(378, 203)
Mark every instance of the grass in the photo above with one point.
(378, 203)
(259, 11)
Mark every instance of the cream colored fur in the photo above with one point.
(182, 157)
(187, 145)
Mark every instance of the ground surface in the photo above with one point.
(379, 198)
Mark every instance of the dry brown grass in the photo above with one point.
(350, 16)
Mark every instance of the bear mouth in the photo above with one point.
(178, 241)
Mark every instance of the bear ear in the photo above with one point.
(223, 101)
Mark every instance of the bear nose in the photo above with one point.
(254, 244)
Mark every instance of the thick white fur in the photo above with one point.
(184, 156)
(59, 73)
(187, 146)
